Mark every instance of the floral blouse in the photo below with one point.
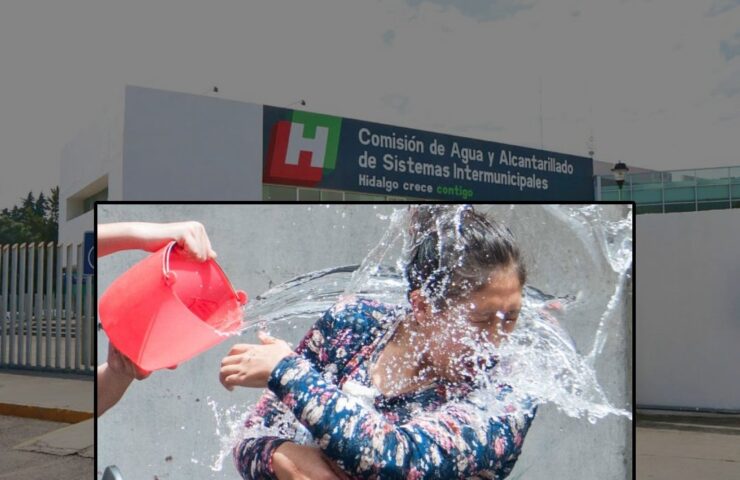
(324, 395)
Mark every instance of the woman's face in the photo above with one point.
(459, 336)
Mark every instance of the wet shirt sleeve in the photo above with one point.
(325, 347)
(452, 442)
(268, 426)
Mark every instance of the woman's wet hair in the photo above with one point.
(452, 250)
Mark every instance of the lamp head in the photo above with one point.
(620, 170)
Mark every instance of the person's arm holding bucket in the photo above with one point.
(114, 376)
(190, 236)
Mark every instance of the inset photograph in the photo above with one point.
(297, 341)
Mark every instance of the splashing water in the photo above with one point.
(231, 421)
(539, 360)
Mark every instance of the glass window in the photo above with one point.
(713, 205)
(679, 179)
(685, 194)
(735, 174)
(308, 195)
(89, 202)
(609, 193)
(625, 194)
(362, 197)
(280, 193)
(84, 200)
(647, 193)
(332, 196)
(680, 207)
(735, 194)
(713, 176)
(717, 192)
(645, 178)
(649, 208)
(607, 181)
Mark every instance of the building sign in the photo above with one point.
(89, 249)
(323, 151)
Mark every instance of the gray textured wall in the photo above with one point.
(688, 310)
(167, 415)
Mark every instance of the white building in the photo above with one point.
(161, 145)
(157, 145)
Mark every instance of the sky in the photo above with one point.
(655, 82)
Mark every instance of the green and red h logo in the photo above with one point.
(302, 149)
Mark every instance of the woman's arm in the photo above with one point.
(304, 462)
(452, 442)
(254, 455)
(110, 387)
(114, 377)
(270, 449)
(327, 346)
(191, 236)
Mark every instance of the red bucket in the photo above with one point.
(168, 308)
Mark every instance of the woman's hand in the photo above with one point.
(120, 365)
(192, 238)
(249, 365)
(114, 377)
(291, 461)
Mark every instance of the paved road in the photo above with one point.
(17, 465)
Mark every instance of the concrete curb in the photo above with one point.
(44, 413)
(70, 440)
(722, 423)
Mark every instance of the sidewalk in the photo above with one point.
(46, 396)
(687, 446)
(48, 425)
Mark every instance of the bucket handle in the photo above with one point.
(170, 277)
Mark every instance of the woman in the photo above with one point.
(387, 392)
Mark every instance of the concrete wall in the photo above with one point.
(158, 145)
(164, 426)
(93, 154)
(180, 146)
(688, 309)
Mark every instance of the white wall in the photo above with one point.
(180, 146)
(74, 230)
(161, 145)
(92, 154)
(688, 309)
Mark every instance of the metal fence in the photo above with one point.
(46, 308)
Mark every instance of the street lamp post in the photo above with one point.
(620, 170)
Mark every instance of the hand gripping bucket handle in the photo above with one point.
(166, 309)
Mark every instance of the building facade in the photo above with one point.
(161, 145)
